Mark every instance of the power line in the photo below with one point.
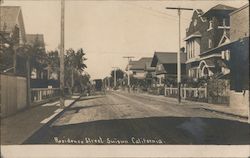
(164, 15)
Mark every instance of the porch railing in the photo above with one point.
(44, 94)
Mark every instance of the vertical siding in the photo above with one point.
(13, 94)
(21, 93)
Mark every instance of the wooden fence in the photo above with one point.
(13, 91)
(13, 94)
(196, 94)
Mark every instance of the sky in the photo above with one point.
(108, 30)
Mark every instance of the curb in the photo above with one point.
(60, 113)
(226, 113)
(210, 109)
(46, 125)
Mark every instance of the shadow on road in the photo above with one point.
(152, 130)
(90, 97)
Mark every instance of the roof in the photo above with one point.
(196, 34)
(230, 45)
(219, 9)
(167, 58)
(148, 66)
(8, 17)
(32, 38)
(200, 13)
(140, 64)
(241, 8)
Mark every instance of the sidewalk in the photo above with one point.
(224, 109)
(17, 128)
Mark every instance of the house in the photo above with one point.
(238, 57)
(141, 67)
(165, 64)
(12, 35)
(207, 32)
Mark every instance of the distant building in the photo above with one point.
(141, 67)
(165, 64)
(207, 32)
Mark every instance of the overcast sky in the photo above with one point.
(109, 30)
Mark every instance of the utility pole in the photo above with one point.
(129, 59)
(108, 83)
(62, 55)
(179, 52)
(115, 68)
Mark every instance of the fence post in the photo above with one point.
(181, 91)
(40, 95)
(184, 90)
(205, 90)
(165, 93)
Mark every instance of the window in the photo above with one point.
(227, 55)
(209, 43)
(224, 22)
(195, 22)
(222, 54)
(210, 27)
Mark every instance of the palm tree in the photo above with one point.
(74, 66)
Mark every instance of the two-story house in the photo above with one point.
(208, 31)
(165, 64)
(237, 54)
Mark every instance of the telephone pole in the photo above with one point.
(129, 59)
(62, 55)
(178, 54)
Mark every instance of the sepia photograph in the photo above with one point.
(124, 78)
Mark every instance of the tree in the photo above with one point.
(38, 55)
(53, 62)
(119, 76)
(74, 67)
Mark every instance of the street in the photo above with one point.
(130, 118)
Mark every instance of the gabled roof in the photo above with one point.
(200, 13)
(32, 38)
(222, 7)
(140, 64)
(167, 58)
(10, 17)
(219, 9)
